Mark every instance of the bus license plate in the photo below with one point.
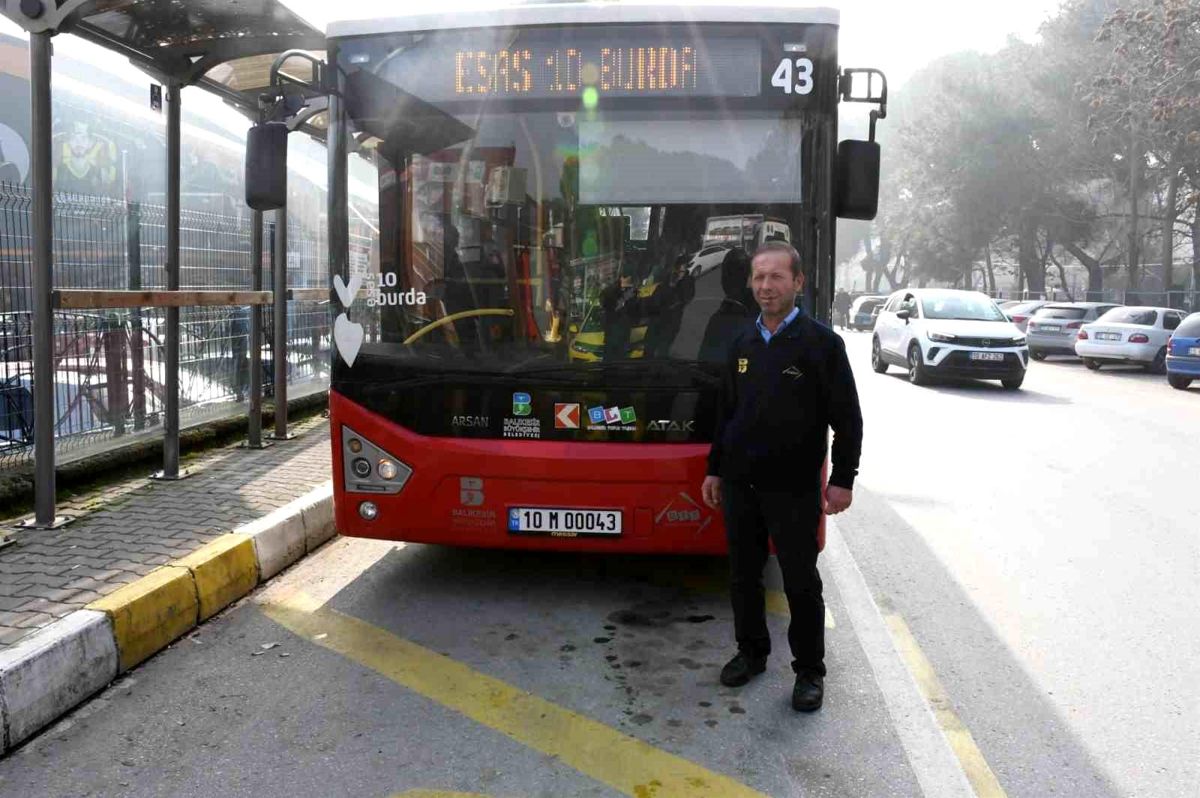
(563, 521)
(1194, 351)
(987, 356)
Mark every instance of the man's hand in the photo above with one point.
(710, 491)
(836, 499)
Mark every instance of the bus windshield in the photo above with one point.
(539, 212)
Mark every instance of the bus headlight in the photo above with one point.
(368, 511)
(368, 468)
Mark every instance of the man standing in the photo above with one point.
(841, 307)
(787, 382)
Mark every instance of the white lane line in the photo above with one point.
(933, 761)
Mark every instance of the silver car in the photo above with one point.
(1053, 328)
(1021, 312)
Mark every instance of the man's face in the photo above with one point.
(775, 287)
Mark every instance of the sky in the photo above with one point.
(898, 38)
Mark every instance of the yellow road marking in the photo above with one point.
(776, 599)
(777, 605)
(438, 794)
(970, 758)
(624, 763)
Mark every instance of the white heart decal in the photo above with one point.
(347, 293)
(348, 336)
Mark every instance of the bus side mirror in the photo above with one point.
(857, 180)
(266, 166)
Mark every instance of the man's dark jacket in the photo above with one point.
(778, 401)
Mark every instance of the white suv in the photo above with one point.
(939, 331)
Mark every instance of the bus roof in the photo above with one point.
(503, 15)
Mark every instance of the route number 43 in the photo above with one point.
(794, 76)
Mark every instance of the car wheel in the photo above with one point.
(916, 368)
(1159, 364)
(1179, 382)
(878, 364)
(1092, 363)
(1012, 383)
(1037, 354)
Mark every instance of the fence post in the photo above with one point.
(170, 469)
(254, 430)
(279, 346)
(133, 243)
(114, 371)
(44, 391)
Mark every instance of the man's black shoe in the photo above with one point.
(808, 692)
(741, 669)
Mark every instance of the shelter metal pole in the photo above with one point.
(40, 55)
(254, 433)
(279, 346)
(336, 197)
(171, 409)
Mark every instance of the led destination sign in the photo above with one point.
(547, 64)
(621, 71)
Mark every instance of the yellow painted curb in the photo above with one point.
(225, 570)
(150, 613)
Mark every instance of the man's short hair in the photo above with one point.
(785, 248)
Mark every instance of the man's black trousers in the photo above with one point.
(789, 518)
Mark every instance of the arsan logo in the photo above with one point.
(469, 421)
(522, 404)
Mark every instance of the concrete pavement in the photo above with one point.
(77, 619)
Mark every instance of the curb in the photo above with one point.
(62, 665)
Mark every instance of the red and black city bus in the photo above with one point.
(527, 360)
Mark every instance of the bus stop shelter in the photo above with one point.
(233, 48)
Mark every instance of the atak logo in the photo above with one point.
(670, 425)
(793, 372)
(684, 511)
(566, 415)
(522, 404)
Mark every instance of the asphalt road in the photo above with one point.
(1044, 547)
(1015, 588)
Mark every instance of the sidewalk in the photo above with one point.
(124, 531)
